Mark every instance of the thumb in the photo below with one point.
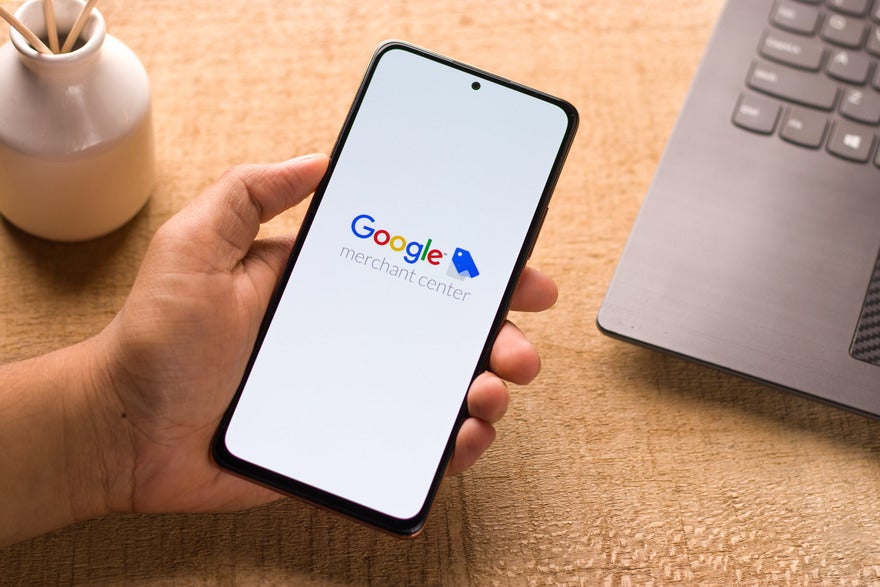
(226, 218)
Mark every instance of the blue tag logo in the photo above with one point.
(462, 265)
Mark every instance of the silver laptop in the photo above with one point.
(757, 248)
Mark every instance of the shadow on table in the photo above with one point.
(288, 542)
(76, 265)
(708, 389)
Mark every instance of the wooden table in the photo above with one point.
(618, 466)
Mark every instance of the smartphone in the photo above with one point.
(396, 287)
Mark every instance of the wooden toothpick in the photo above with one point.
(31, 38)
(51, 27)
(78, 26)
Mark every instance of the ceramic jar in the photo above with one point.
(76, 136)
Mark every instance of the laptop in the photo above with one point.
(757, 247)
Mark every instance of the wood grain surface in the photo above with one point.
(618, 466)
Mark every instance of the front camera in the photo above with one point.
(475, 85)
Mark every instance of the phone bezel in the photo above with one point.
(411, 526)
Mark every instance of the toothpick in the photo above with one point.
(51, 26)
(78, 26)
(31, 38)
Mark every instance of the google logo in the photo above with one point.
(363, 227)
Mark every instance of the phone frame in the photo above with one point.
(411, 526)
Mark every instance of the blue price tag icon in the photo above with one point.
(463, 264)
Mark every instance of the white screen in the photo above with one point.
(369, 356)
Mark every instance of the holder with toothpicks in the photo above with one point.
(76, 136)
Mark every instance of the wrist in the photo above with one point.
(102, 456)
(62, 454)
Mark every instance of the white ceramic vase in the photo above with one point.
(76, 135)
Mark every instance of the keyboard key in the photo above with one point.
(844, 30)
(876, 79)
(848, 66)
(795, 17)
(804, 127)
(756, 114)
(873, 45)
(851, 141)
(861, 105)
(790, 84)
(853, 7)
(795, 50)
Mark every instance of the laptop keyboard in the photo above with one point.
(815, 80)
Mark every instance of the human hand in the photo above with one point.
(178, 348)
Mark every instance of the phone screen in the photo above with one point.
(437, 187)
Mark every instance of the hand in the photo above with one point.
(177, 349)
